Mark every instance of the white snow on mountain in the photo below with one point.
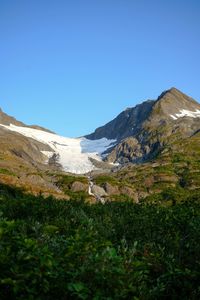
(186, 113)
(74, 153)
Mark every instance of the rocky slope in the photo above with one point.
(22, 162)
(142, 131)
(127, 123)
(33, 158)
(157, 144)
(7, 120)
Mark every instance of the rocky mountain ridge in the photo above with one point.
(143, 130)
(136, 134)
(7, 120)
(157, 144)
(130, 121)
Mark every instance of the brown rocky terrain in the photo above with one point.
(159, 153)
(143, 131)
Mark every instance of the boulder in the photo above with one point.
(78, 186)
(111, 189)
(99, 191)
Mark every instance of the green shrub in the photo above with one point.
(52, 249)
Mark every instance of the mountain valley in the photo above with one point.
(112, 215)
(145, 150)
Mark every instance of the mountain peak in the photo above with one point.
(172, 104)
(171, 92)
(175, 93)
(174, 90)
(168, 106)
(173, 101)
(135, 135)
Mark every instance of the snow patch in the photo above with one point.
(74, 153)
(48, 154)
(186, 113)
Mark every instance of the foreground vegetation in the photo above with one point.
(51, 249)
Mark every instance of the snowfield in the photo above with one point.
(186, 113)
(73, 153)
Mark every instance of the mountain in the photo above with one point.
(34, 158)
(135, 135)
(12, 142)
(142, 131)
(144, 150)
(130, 122)
(32, 152)
(7, 120)
(127, 123)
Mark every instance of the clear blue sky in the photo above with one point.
(73, 65)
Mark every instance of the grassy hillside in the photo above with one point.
(176, 166)
(55, 249)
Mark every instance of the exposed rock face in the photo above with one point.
(168, 126)
(99, 191)
(141, 132)
(78, 186)
(171, 102)
(20, 146)
(7, 120)
(144, 130)
(127, 123)
(128, 150)
(27, 150)
(22, 163)
(110, 189)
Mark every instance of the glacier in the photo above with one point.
(74, 154)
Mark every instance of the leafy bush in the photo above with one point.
(52, 249)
